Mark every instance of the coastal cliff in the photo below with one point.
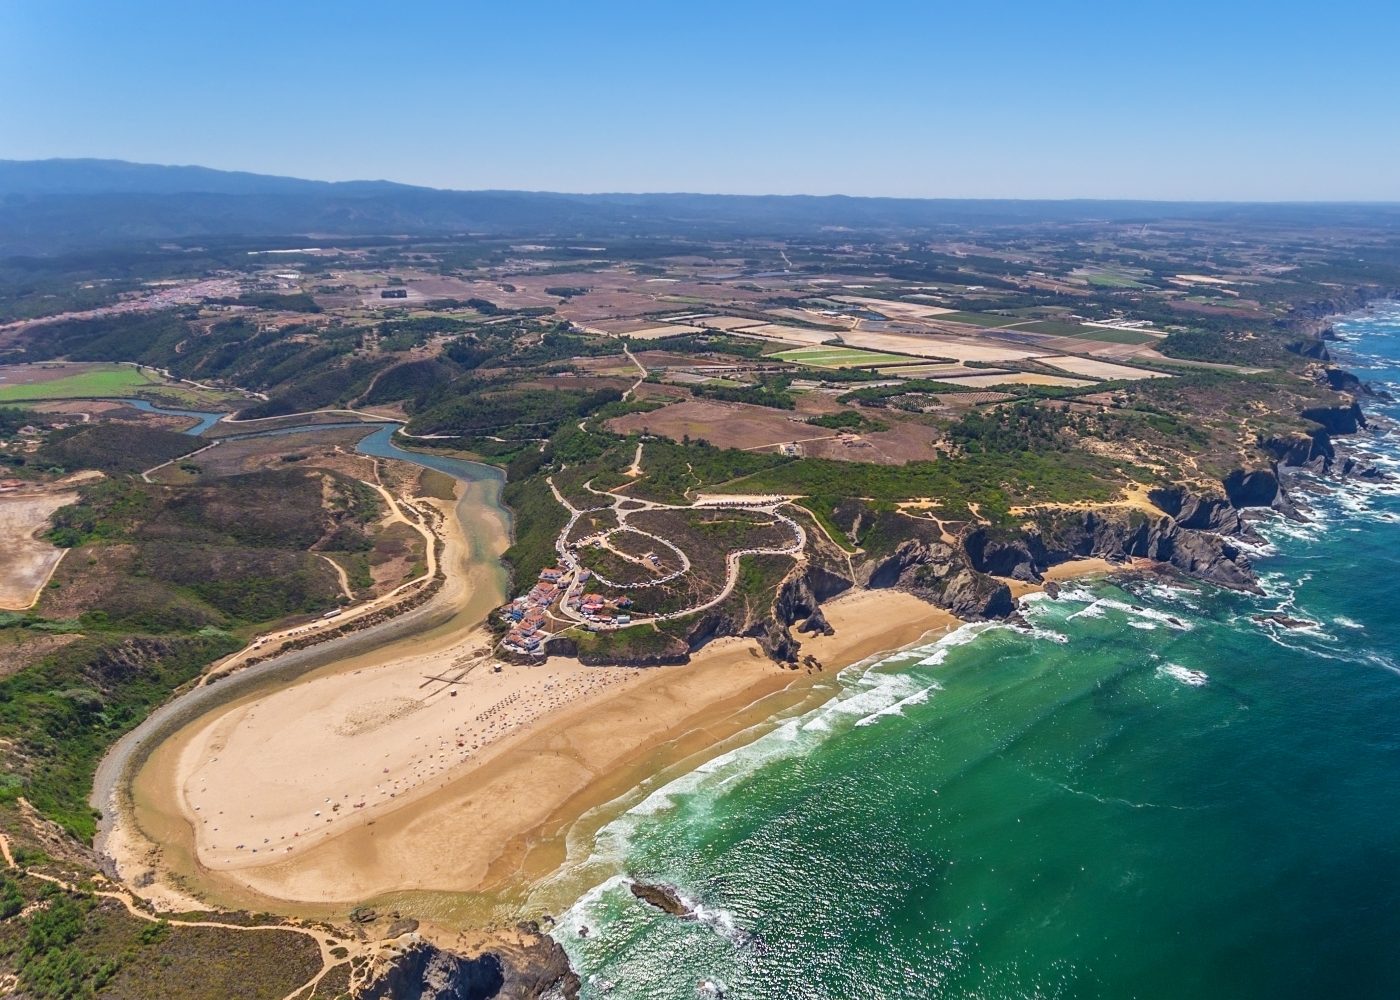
(534, 968)
(1191, 531)
(1315, 318)
(968, 568)
(1116, 536)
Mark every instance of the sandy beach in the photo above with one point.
(1071, 570)
(426, 774)
(366, 781)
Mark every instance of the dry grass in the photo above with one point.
(894, 310)
(726, 425)
(728, 322)
(969, 348)
(1019, 378)
(26, 560)
(1100, 369)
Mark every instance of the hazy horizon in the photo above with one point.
(735, 194)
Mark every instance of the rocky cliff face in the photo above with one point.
(1340, 380)
(1337, 419)
(1192, 534)
(537, 967)
(1114, 535)
(424, 972)
(1310, 348)
(1200, 512)
(1314, 319)
(934, 571)
(1303, 451)
(1314, 451)
(1257, 488)
(940, 574)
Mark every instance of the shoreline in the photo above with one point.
(361, 787)
(467, 845)
(467, 592)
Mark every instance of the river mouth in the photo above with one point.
(486, 844)
(155, 828)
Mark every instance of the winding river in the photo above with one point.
(128, 778)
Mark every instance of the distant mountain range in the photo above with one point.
(51, 206)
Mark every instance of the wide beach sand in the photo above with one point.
(373, 780)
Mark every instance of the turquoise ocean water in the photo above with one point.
(1149, 794)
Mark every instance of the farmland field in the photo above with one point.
(1101, 369)
(26, 560)
(728, 322)
(1019, 378)
(19, 383)
(1109, 279)
(949, 347)
(978, 319)
(1059, 328)
(726, 425)
(1107, 336)
(838, 357)
(786, 334)
(894, 308)
(931, 371)
(1055, 328)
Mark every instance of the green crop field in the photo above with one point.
(977, 319)
(88, 383)
(1116, 336)
(839, 357)
(1112, 279)
(1103, 335)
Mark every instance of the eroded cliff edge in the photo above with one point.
(1194, 529)
(524, 965)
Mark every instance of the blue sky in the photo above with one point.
(1224, 100)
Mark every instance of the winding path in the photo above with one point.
(769, 507)
(640, 367)
(325, 942)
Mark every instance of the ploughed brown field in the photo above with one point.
(725, 425)
(754, 428)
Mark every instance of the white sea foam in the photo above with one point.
(583, 913)
(1278, 586)
(917, 698)
(1149, 614)
(1049, 635)
(1277, 528)
(657, 802)
(1077, 595)
(866, 694)
(1346, 622)
(1167, 592)
(1261, 549)
(1183, 675)
(938, 651)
